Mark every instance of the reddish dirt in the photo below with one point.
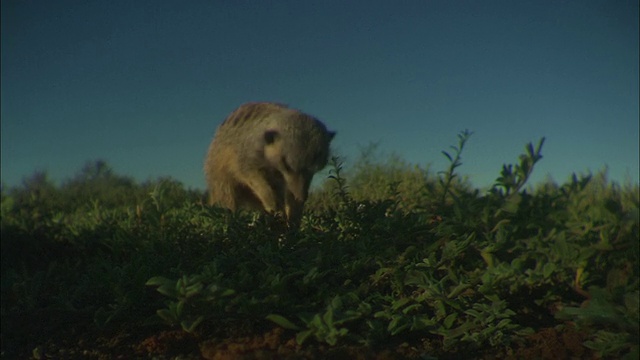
(563, 342)
(550, 343)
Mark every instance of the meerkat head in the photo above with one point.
(297, 158)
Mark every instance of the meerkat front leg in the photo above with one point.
(263, 191)
(293, 210)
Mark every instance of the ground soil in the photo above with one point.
(561, 342)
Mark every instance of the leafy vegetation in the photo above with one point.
(389, 259)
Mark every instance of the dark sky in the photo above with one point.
(144, 84)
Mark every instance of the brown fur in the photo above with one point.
(263, 157)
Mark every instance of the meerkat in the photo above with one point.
(263, 157)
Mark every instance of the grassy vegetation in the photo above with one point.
(390, 260)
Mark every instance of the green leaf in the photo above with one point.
(328, 317)
(474, 313)
(447, 155)
(441, 311)
(397, 325)
(158, 280)
(449, 320)
(548, 269)
(167, 315)
(512, 203)
(190, 325)
(530, 149)
(168, 290)
(282, 321)
(421, 322)
(336, 302)
(303, 336)
(458, 290)
(179, 308)
(227, 292)
(193, 289)
(410, 308)
(503, 323)
(400, 303)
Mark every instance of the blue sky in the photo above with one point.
(144, 84)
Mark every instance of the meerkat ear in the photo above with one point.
(332, 134)
(270, 136)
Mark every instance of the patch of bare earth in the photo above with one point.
(561, 342)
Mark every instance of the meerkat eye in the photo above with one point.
(271, 136)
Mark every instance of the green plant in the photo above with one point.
(447, 177)
(327, 326)
(189, 299)
(393, 257)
